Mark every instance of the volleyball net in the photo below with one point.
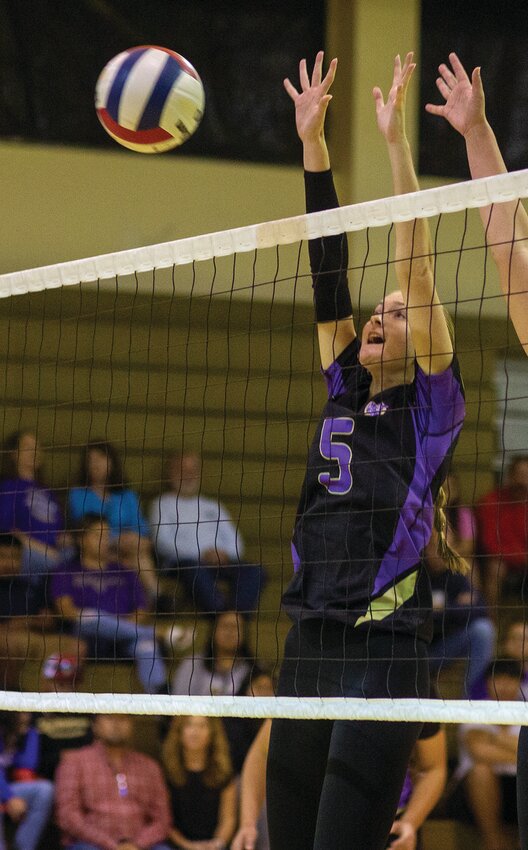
(190, 370)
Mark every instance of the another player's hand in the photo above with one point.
(405, 836)
(245, 839)
(16, 808)
(391, 114)
(313, 99)
(464, 105)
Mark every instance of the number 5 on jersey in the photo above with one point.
(332, 448)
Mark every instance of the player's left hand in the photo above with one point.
(405, 836)
(391, 114)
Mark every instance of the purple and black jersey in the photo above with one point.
(366, 509)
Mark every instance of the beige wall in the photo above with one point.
(65, 203)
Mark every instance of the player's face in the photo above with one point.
(386, 339)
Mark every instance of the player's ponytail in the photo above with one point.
(455, 562)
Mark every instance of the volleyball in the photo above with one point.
(149, 99)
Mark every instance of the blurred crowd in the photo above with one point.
(99, 577)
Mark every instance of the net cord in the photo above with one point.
(426, 203)
(489, 712)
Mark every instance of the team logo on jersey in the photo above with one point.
(376, 408)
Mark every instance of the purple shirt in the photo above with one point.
(26, 506)
(114, 589)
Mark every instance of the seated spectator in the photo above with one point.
(108, 796)
(104, 603)
(201, 785)
(103, 492)
(195, 537)
(225, 667)
(488, 761)
(60, 731)
(28, 628)
(462, 522)
(514, 645)
(25, 798)
(503, 534)
(462, 627)
(28, 509)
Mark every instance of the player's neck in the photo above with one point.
(385, 377)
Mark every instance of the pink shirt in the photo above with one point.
(98, 806)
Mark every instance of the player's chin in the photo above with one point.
(370, 354)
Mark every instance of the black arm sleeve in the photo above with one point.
(328, 255)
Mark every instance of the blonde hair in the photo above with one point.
(455, 562)
(218, 768)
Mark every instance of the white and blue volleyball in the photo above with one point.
(149, 99)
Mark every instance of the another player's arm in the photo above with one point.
(310, 110)
(428, 786)
(465, 110)
(414, 264)
(252, 790)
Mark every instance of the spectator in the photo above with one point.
(195, 537)
(503, 533)
(26, 622)
(60, 731)
(462, 627)
(488, 761)
(25, 799)
(225, 667)
(108, 796)
(462, 523)
(29, 510)
(514, 645)
(103, 491)
(104, 603)
(201, 784)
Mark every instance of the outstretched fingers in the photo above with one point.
(330, 75)
(303, 75)
(317, 72)
(458, 68)
(290, 88)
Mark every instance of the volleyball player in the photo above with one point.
(360, 598)
(465, 110)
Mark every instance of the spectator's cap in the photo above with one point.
(61, 668)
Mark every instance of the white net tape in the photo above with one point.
(424, 204)
(305, 708)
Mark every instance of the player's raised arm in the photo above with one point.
(414, 265)
(464, 108)
(328, 256)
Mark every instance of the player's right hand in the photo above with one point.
(245, 839)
